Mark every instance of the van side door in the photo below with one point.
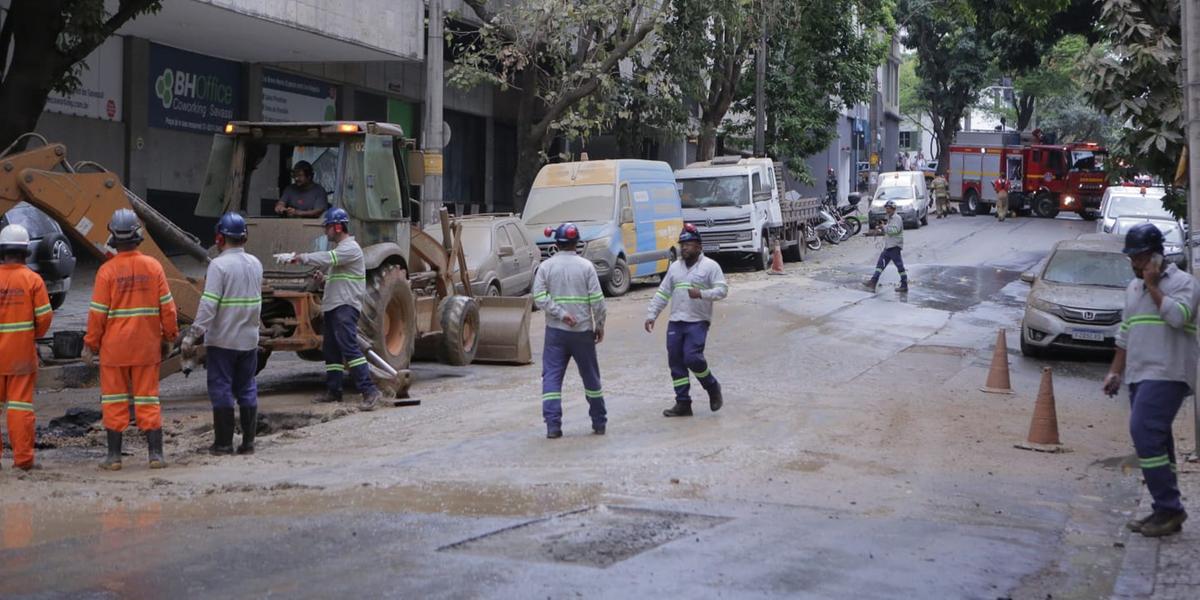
(629, 226)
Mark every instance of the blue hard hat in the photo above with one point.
(563, 234)
(336, 215)
(1143, 237)
(232, 225)
(689, 233)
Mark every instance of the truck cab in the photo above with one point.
(1066, 178)
(731, 206)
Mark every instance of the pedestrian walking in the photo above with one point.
(345, 286)
(691, 285)
(1000, 184)
(941, 195)
(25, 315)
(1156, 356)
(893, 243)
(567, 290)
(227, 321)
(131, 322)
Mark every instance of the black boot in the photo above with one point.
(714, 397)
(249, 417)
(222, 432)
(870, 285)
(154, 441)
(681, 409)
(113, 462)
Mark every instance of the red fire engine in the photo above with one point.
(1042, 178)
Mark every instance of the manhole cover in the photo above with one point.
(598, 536)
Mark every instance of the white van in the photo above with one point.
(907, 189)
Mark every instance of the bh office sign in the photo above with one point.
(192, 92)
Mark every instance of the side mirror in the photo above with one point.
(506, 251)
(1028, 276)
(627, 214)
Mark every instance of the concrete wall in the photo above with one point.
(393, 26)
(87, 139)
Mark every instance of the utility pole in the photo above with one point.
(1191, 99)
(432, 142)
(760, 84)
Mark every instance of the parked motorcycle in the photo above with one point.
(850, 225)
(812, 238)
(829, 228)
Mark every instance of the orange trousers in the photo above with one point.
(16, 391)
(119, 385)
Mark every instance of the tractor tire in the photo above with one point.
(388, 320)
(460, 330)
(1045, 206)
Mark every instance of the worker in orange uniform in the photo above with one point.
(24, 316)
(131, 321)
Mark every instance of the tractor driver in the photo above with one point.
(304, 197)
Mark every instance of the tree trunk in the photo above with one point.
(1024, 104)
(946, 130)
(36, 65)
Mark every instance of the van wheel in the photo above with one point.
(617, 283)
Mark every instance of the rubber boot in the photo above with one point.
(222, 432)
(870, 285)
(113, 462)
(1164, 523)
(154, 441)
(370, 400)
(1137, 524)
(903, 289)
(715, 401)
(249, 418)
(681, 409)
(553, 434)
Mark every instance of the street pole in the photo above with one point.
(432, 144)
(760, 93)
(1191, 98)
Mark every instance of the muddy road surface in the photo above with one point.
(855, 457)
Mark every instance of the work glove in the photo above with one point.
(88, 357)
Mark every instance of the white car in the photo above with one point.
(1130, 200)
(1076, 296)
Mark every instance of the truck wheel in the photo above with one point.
(795, 253)
(969, 204)
(618, 280)
(762, 261)
(388, 319)
(1088, 215)
(460, 330)
(1045, 206)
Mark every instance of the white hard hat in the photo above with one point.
(14, 237)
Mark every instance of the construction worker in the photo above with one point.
(691, 286)
(941, 195)
(1000, 184)
(893, 243)
(345, 286)
(25, 315)
(567, 290)
(227, 320)
(303, 198)
(1156, 355)
(131, 322)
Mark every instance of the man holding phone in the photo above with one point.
(1156, 355)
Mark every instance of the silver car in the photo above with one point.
(500, 256)
(1076, 296)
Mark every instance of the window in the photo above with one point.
(502, 237)
(906, 139)
(518, 236)
(626, 205)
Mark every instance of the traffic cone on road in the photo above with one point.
(1043, 427)
(776, 260)
(997, 379)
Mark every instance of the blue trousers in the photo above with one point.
(562, 346)
(1155, 404)
(340, 347)
(231, 377)
(685, 352)
(891, 255)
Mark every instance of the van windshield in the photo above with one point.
(705, 192)
(556, 205)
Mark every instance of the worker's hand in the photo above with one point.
(295, 260)
(599, 335)
(1150, 276)
(187, 346)
(291, 212)
(649, 325)
(319, 277)
(1112, 384)
(280, 208)
(88, 356)
(570, 320)
(694, 293)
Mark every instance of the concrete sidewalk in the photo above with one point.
(1165, 568)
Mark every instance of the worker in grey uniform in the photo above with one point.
(893, 243)
(345, 286)
(1156, 355)
(567, 290)
(691, 285)
(228, 320)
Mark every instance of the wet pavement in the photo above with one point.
(855, 457)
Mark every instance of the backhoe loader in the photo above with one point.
(412, 307)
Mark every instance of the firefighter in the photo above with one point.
(228, 320)
(131, 322)
(345, 286)
(1000, 184)
(567, 289)
(893, 243)
(691, 286)
(941, 195)
(1156, 355)
(25, 315)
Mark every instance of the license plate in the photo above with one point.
(710, 247)
(1087, 336)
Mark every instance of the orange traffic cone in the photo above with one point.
(776, 261)
(1043, 427)
(997, 379)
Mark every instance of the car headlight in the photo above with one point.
(745, 236)
(1043, 305)
(594, 248)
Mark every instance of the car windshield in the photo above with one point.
(1085, 267)
(1086, 160)
(705, 192)
(555, 205)
(1171, 233)
(1140, 205)
(905, 192)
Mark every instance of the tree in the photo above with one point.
(561, 57)
(43, 44)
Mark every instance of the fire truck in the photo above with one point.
(1043, 178)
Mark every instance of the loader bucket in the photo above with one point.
(504, 330)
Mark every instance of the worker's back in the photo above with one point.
(131, 312)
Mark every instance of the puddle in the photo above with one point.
(948, 288)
